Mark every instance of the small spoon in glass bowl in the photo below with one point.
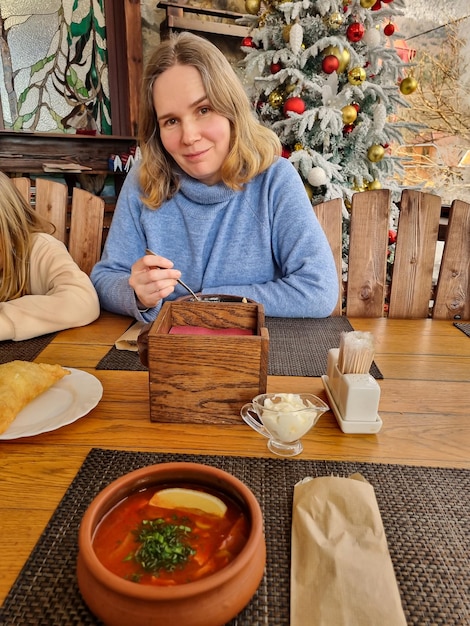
(147, 251)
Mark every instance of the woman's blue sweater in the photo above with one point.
(264, 243)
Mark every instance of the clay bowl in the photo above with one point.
(211, 601)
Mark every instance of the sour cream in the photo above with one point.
(287, 417)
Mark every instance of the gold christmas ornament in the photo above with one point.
(298, 146)
(408, 85)
(374, 184)
(357, 75)
(276, 99)
(262, 19)
(309, 191)
(335, 20)
(343, 56)
(252, 6)
(349, 114)
(286, 32)
(359, 186)
(375, 153)
(367, 4)
(344, 59)
(289, 88)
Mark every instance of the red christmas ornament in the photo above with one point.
(356, 106)
(247, 42)
(294, 105)
(355, 32)
(286, 152)
(275, 68)
(377, 6)
(387, 1)
(348, 129)
(330, 64)
(389, 29)
(392, 236)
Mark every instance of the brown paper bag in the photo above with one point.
(128, 340)
(341, 571)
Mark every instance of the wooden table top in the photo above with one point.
(424, 406)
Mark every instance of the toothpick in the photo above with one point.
(356, 352)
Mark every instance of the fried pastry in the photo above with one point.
(20, 383)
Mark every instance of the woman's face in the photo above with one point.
(195, 135)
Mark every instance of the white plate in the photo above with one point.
(65, 402)
(350, 426)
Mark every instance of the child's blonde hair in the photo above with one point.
(253, 147)
(18, 222)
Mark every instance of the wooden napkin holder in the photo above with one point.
(200, 378)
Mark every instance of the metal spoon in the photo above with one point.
(147, 251)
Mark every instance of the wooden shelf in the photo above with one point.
(177, 18)
(25, 152)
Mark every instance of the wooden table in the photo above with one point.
(424, 406)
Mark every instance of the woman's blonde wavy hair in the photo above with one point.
(18, 222)
(253, 147)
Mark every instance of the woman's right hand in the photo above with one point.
(153, 278)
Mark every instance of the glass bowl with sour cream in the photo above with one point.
(284, 418)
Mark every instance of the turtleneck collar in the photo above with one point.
(200, 193)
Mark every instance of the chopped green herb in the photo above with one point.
(134, 578)
(164, 545)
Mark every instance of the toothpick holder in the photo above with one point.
(356, 395)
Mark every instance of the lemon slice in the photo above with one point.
(180, 498)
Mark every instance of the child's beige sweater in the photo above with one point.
(61, 295)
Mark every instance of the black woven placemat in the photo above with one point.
(26, 350)
(464, 327)
(425, 513)
(297, 347)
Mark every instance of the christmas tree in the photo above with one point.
(325, 76)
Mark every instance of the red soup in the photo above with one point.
(146, 543)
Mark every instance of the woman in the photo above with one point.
(212, 198)
(42, 290)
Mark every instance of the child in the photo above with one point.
(42, 290)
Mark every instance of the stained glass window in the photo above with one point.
(54, 72)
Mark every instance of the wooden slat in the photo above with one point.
(86, 228)
(418, 227)
(187, 23)
(23, 185)
(368, 253)
(453, 287)
(52, 203)
(330, 216)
